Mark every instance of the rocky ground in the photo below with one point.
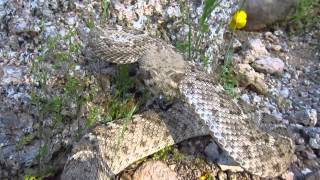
(280, 75)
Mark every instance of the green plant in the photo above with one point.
(209, 6)
(43, 152)
(30, 177)
(56, 88)
(31, 174)
(27, 139)
(167, 153)
(94, 116)
(186, 46)
(192, 46)
(127, 120)
(90, 23)
(306, 14)
(227, 77)
(122, 102)
(105, 8)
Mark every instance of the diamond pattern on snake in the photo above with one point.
(202, 108)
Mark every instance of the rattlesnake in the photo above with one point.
(201, 108)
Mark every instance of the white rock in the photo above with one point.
(284, 92)
(306, 171)
(222, 176)
(256, 99)
(288, 176)
(139, 24)
(312, 114)
(245, 98)
(71, 21)
(173, 11)
(269, 64)
(314, 143)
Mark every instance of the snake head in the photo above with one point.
(162, 68)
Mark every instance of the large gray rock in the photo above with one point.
(265, 12)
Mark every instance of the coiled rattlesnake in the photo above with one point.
(203, 108)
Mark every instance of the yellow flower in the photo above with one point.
(203, 177)
(239, 20)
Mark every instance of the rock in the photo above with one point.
(25, 24)
(256, 99)
(248, 58)
(245, 98)
(71, 20)
(284, 92)
(300, 148)
(154, 170)
(234, 176)
(306, 171)
(220, 157)
(262, 13)
(236, 44)
(269, 64)
(15, 130)
(251, 78)
(300, 141)
(212, 152)
(277, 115)
(288, 175)
(309, 154)
(303, 94)
(276, 47)
(307, 82)
(173, 11)
(272, 38)
(257, 48)
(230, 168)
(313, 176)
(10, 74)
(222, 175)
(314, 143)
(307, 117)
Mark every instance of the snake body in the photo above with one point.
(203, 108)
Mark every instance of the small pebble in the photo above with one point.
(245, 98)
(222, 175)
(284, 92)
(276, 47)
(309, 155)
(300, 141)
(314, 143)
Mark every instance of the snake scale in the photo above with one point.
(202, 108)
